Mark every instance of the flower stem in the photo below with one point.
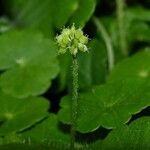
(74, 105)
(121, 28)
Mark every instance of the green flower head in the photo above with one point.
(72, 39)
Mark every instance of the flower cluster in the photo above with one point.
(72, 39)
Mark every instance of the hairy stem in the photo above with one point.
(121, 28)
(74, 105)
(110, 52)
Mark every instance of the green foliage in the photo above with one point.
(112, 104)
(47, 131)
(92, 67)
(36, 82)
(50, 13)
(43, 12)
(80, 16)
(29, 62)
(124, 137)
(30, 147)
(136, 28)
(15, 115)
(94, 64)
(4, 24)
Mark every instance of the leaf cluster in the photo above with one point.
(35, 83)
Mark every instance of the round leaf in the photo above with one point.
(126, 93)
(19, 114)
(28, 61)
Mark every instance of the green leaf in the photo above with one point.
(135, 69)
(28, 61)
(84, 11)
(136, 28)
(5, 25)
(126, 93)
(19, 114)
(11, 138)
(48, 131)
(45, 12)
(99, 57)
(140, 32)
(1, 140)
(17, 146)
(93, 66)
(65, 70)
(138, 13)
(85, 77)
(136, 136)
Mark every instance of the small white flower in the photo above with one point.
(73, 40)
